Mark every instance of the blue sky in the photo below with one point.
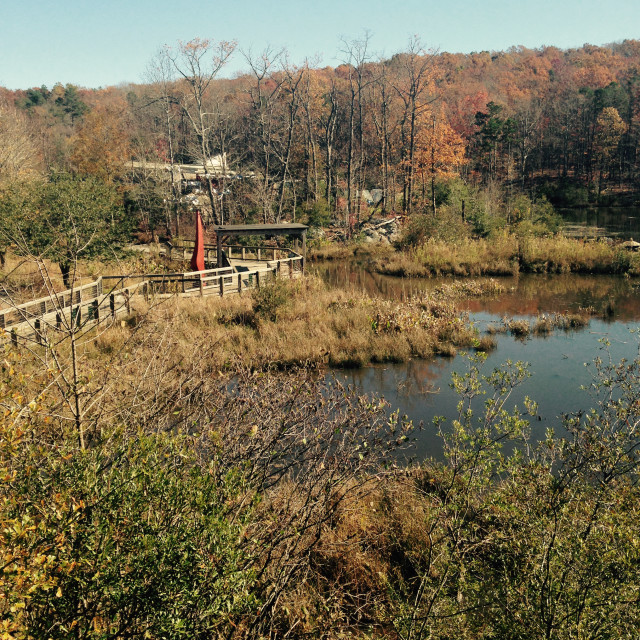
(95, 43)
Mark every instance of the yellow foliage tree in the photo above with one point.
(18, 151)
(101, 147)
(610, 128)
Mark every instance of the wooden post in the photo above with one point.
(278, 268)
(221, 280)
(38, 334)
(257, 279)
(239, 283)
(14, 337)
(290, 268)
(304, 249)
(218, 249)
(201, 285)
(58, 320)
(259, 253)
(76, 317)
(183, 289)
(127, 300)
(96, 310)
(244, 253)
(112, 305)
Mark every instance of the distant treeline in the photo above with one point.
(561, 123)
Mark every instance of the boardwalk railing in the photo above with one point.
(183, 249)
(68, 310)
(169, 283)
(183, 252)
(92, 303)
(223, 281)
(259, 253)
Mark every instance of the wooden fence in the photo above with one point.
(223, 281)
(184, 248)
(92, 303)
(68, 310)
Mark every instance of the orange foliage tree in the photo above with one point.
(439, 149)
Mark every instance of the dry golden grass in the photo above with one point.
(382, 538)
(543, 324)
(508, 255)
(315, 324)
(464, 258)
(341, 251)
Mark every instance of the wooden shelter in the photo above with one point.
(225, 232)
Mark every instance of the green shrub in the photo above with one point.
(132, 538)
(318, 213)
(270, 299)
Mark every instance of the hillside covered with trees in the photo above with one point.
(305, 142)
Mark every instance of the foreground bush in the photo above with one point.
(193, 507)
(506, 538)
(268, 505)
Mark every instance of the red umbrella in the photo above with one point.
(197, 259)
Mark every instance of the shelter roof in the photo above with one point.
(287, 228)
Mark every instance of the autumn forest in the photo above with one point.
(306, 141)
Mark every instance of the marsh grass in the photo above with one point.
(340, 251)
(304, 321)
(506, 254)
(543, 325)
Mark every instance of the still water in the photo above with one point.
(560, 364)
(617, 222)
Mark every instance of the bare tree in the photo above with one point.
(292, 90)
(263, 98)
(381, 94)
(356, 55)
(160, 72)
(328, 120)
(309, 105)
(199, 62)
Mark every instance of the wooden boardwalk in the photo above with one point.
(107, 297)
(69, 311)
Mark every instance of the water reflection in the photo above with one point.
(560, 366)
(560, 363)
(527, 294)
(618, 222)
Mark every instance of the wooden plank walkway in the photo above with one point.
(68, 311)
(95, 302)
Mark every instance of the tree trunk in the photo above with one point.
(65, 270)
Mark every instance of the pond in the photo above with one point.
(618, 222)
(560, 363)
